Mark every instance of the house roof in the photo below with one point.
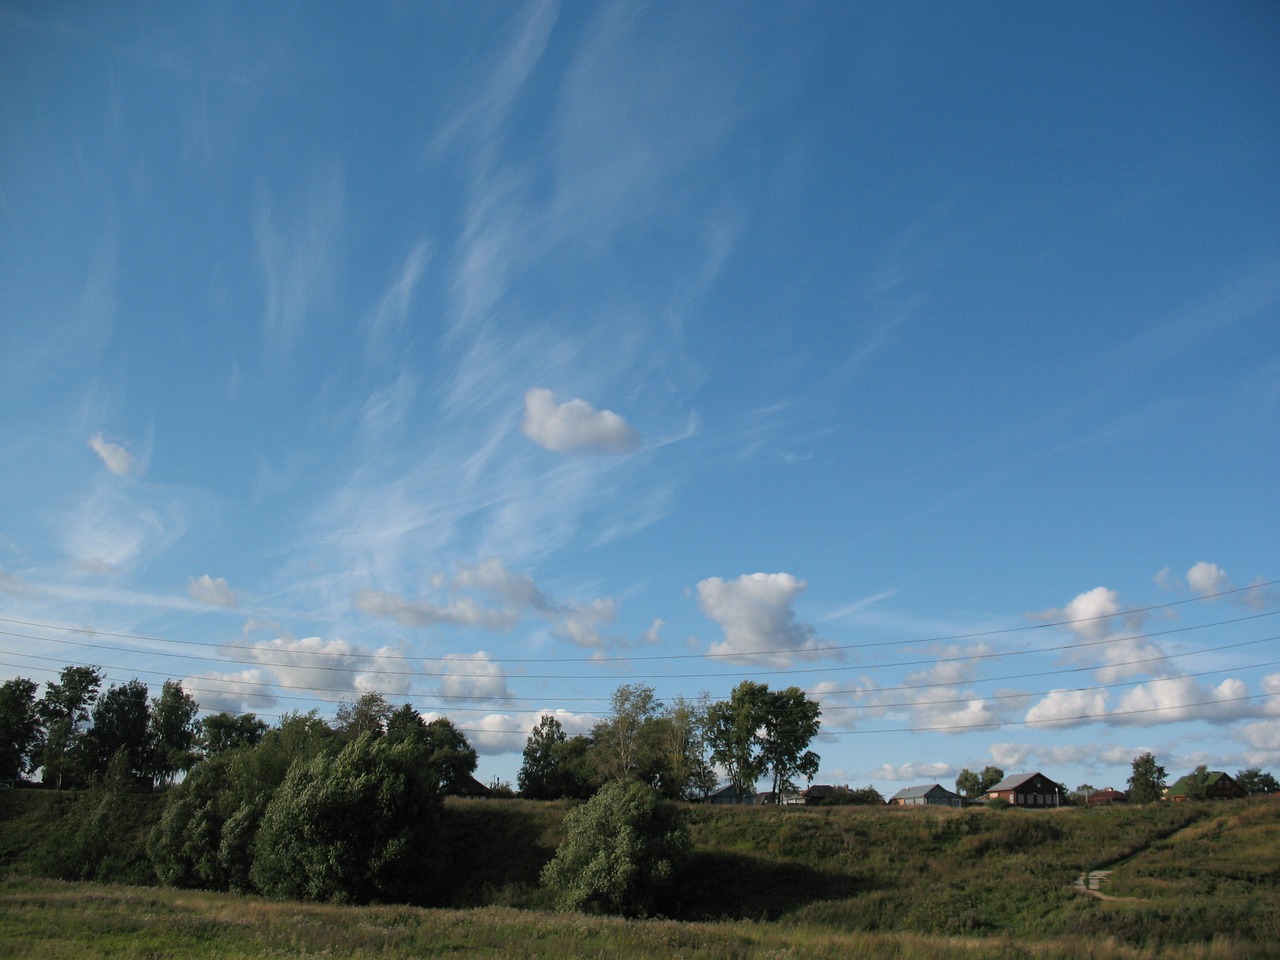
(1014, 781)
(1183, 785)
(913, 793)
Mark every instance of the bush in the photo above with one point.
(361, 826)
(623, 849)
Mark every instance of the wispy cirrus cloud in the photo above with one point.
(114, 456)
(298, 257)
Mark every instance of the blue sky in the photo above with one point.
(489, 356)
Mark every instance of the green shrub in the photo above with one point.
(361, 826)
(622, 851)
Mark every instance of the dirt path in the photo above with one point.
(1091, 883)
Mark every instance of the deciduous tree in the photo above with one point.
(1147, 781)
(64, 711)
(19, 727)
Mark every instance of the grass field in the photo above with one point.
(1189, 881)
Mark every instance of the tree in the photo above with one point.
(354, 827)
(448, 758)
(623, 849)
(989, 777)
(1146, 783)
(733, 728)
(972, 785)
(1080, 795)
(678, 738)
(790, 723)
(173, 732)
(968, 784)
(539, 777)
(19, 727)
(368, 714)
(64, 711)
(620, 742)
(220, 732)
(1253, 781)
(1198, 783)
(121, 723)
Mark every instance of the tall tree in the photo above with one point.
(173, 732)
(539, 778)
(968, 784)
(733, 733)
(121, 724)
(621, 741)
(790, 724)
(449, 757)
(1147, 781)
(19, 727)
(989, 777)
(64, 711)
(368, 714)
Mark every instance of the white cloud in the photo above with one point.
(463, 610)
(1182, 698)
(1010, 756)
(1109, 636)
(932, 772)
(1090, 613)
(754, 611)
(487, 594)
(246, 690)
(1205, 579)
(312, 663)
(1062, 708)
(388, 671)
(211, 590)
(497, 733)
(115, 457)
(575, 426)
(475, 676)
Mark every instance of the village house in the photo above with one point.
(1106, 797)
(931, 795)
(1028, 790)
(1217, 786)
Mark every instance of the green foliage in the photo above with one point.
(352, 828)
(369, 714)
(540, 777)
(121, 725)
(19, 727)
(846, 797)
(973, 785)
(220, 732)
(623, 850)
(1147, 781)
(64, 711)
(1253, 781)
(173, 732)
(790, 723)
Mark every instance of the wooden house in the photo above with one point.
(1217, 786)
(931, 795)
(1028, 790)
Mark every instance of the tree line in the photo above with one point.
(676, 747)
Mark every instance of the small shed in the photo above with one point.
(930, 795)
(1028, 790)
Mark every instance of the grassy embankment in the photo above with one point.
(1197, 881)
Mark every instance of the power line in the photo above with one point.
(358, 662)
(798, 651)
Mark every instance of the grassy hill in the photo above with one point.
(1204, 878)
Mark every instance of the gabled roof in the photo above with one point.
(1183, 785)
(915, 793)
(1014, 781)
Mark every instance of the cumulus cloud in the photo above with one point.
(312, 663)
(575, 426)
(1207, 578)
(473, 676)
(497, 733)
(114, 457)
(1109, 636)
(1066, 708)
(933, 772)
(388, 671)
(487, 594)
(211, 590)
(245, 690)
(755, 613)
(1182, 698)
